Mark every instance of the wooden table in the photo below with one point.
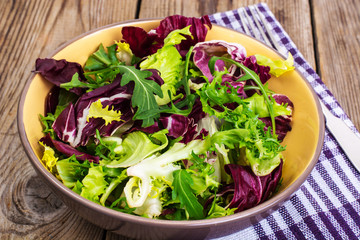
(327, 32)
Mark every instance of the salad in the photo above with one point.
(163, 124)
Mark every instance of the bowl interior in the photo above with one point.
(303, 142)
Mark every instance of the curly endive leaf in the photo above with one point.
(97, 111)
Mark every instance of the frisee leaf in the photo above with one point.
(49, 158)
(47, 122)
(98, 111)
(249, 74)
(182, 190)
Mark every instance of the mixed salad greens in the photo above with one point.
(164, 124)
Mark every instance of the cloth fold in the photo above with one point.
(327, 205)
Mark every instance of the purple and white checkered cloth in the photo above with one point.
(327, 205)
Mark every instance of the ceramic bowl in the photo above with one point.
(303, 143)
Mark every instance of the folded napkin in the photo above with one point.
(327, 205)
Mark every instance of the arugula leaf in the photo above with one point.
(182, 190)
(143, 96)
(185, 79)
(105, 67)
(105, 150)
(76, 83)
(124, 206)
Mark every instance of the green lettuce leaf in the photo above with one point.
(71, 171)
(262, 160)
(258, 105)
(159, 167)
(241, 128)
(277, 67)
(217, 211)
(113, 184)
(231, 138)
(169, 63)
(202, 174)
(136, 147)
(94, 184)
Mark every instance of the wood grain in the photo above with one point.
(337, 25)
(32, 29)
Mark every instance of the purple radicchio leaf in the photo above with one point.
(59, 71)
(203, 52)
(198, 30)
(141, 42)
(197, 113)
(250, 190)
(67, 150)
(155, 76)
(282, 123)
(52, 100)
(262, 71)
(177, 125)
(144, 43)
(181, 126)
(137, 127)
(72, 126)
(65, 124)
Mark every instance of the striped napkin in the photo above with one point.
(327, 205)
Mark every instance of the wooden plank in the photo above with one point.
(32, 29)
(337, 25)
(293, 15)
